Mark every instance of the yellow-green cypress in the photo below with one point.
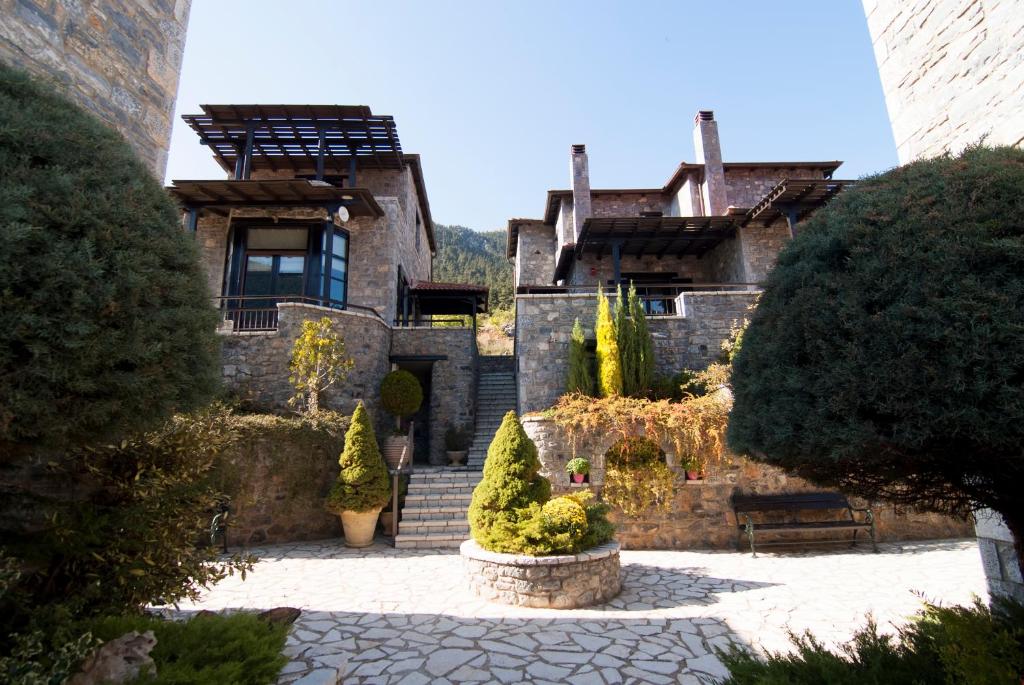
(609, 368)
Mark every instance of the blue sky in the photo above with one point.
(493, 94)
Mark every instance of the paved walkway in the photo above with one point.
(383, 615)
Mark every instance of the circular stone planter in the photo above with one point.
(559, 582)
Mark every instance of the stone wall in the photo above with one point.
(746, 187)
(700, 515)
(556, 582)
(952, 72)
(119, 60)
(255, 365)
(998, 556)
(452, 380)
(535, 255)
(603, 204)
(544, 324)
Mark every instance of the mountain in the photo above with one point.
(468, 256)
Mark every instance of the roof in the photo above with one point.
(288, 136)
(437, 297)
(676, 235)
(803, 195)
(441, 286)
(218, 196)
(512, 234)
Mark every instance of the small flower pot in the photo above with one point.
(394, 446)
(578, 477)
(456, 457)
(359, 527)
(694, 475)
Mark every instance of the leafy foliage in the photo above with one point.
(511, 482)
(578, 465)
(400, 393)
(468, 256)
(885, 358)
(637, 477)
(966, 645)
(580, 380)
(319, 360)
(363, 483)
(108, 327)
(609, 367)
(206, 650)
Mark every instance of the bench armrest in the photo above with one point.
(869, 515)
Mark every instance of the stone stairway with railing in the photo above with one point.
(436, 504)
(495, 396)
(435, 511)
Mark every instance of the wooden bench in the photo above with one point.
(792, 504)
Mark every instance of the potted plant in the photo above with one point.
(363, 486)
(401, 396)
(578, 469)
(694, 468)
(456, 444)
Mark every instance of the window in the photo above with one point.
(275, 263)
(419, 229)
(335, 256)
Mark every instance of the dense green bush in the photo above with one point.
(577, 465)
(400, 393)
(207, 650)
(363, 483)
(942, 646)
(108, 327)
(511, 482)
(581, 377)
(886, 356)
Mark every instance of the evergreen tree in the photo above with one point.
(626, 338)
(644, 346)
(609, 369)
(363, 482)
(580, 380)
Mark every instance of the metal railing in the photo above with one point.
(659, 299)
(255, 313)
(437, 322)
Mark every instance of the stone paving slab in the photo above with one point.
(384, 615)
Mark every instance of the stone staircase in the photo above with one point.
(495, 396)
(434, 514)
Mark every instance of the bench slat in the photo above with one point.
(814, 525)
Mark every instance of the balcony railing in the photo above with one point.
(659, 299)
(256, 313)
(437, 322)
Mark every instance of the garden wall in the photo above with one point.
(701, 514)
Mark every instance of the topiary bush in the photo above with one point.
(401, 394)
(363, 483)
(511, 482)
(108, 327)
(886, 355)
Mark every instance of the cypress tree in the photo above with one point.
(643, 344)
(609, 369)
(580, 380)
(626, 337)
(363, 482)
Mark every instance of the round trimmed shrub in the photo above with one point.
(565, 515)
(886, 356)
(401, 393)
(363, 483)
(108, 327)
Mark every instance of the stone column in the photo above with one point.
(709, 153)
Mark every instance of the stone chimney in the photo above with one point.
(709, 153)
(579, 170)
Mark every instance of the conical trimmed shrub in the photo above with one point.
(363, 483)
(511, 482)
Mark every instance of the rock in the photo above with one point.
(280, 615)
(118, 661)
(321, 676)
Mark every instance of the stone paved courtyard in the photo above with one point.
(382, 615)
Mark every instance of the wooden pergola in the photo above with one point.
(794, 200)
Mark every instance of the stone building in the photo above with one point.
(696, 248)
(974, 50)
(120, 60)
(323, 215)
(952, 72)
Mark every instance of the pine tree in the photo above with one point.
(609, 368)
(580, 380)
(644, 346)
(626, 337)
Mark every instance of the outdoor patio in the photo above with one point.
(384, 615)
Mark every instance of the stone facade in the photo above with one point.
(998, 556)
(611, 204)
(952, 72)
(556, 582)
(119, 60)
(453, 380)
(544, 324)
(255, 365)
(535, 250)
(700, 515)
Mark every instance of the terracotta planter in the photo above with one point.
(392, 450)
(359, 527)
(578, 477)
(694, 475)
(456, 457)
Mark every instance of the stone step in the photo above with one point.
(441, 489)
(432, 541)
(458, 525)
(431, 499)
(433, 513)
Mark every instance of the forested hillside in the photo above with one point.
(468, 256)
